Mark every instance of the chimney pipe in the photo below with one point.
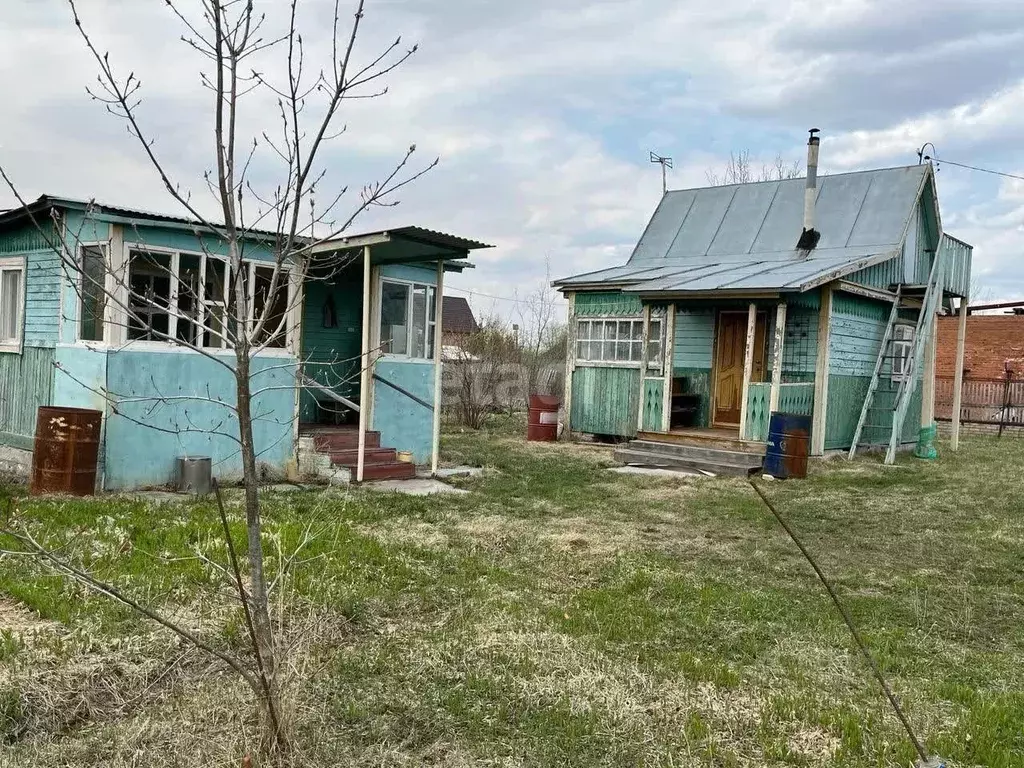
(809, 237)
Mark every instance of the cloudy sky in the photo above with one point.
(543, 113)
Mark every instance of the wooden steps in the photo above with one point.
(712, 440)
(342, 445)
(701, 457)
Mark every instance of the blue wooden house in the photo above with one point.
(63, 345)
(806, 296)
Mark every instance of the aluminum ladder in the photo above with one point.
(896, 400)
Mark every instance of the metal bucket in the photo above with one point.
(789, 437)
(195, 475)
(66, 451)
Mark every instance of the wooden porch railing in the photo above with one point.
(793, 398)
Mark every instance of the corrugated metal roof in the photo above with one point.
(742, 237)
(419, 236)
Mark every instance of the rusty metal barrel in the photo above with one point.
(789, 438)
(542, 421)
(66, 451)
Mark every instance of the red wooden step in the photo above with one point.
(330, 441)
(350, 456)
(394, 470)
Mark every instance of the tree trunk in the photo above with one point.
(258, 599)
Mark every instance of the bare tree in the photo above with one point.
(541, 329)
(250, 64)
(740, 170)
(485, 374)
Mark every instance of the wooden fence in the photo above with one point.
(998, 402)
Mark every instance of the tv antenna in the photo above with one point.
(665, 163)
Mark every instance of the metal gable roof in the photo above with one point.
(742, 237)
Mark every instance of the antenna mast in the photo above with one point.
(665, 163)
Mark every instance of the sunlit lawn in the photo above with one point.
(556, 615)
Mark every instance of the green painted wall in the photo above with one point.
(26, 382)
(793, 398)
(605, 400)
(856, 331)
(698, 382)
(880, 275)
(653, 404)
(607, 303)
(694, 338)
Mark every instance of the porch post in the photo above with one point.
(780, 339)
(438, 342)
(821, 366)
(958, 376)
(668, 349)
(364, 370)
(645, 339)
(570, 362)
(928, 385)
(748, 367)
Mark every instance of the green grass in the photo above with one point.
(556, 615)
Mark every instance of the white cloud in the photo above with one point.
(542, 112)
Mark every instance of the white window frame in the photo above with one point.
(430, 325)
(104, 246)
(14, 264)
(175, 255)
(615, 362)
(902, 346)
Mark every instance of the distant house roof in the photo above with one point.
(457, 316)
(742, 237)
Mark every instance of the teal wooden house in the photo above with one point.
(808, 296)
(349, 381)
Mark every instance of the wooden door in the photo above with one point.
(730, 350)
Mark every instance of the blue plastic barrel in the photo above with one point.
(789, 438)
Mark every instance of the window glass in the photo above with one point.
(10, 305)
(149, 295)
(214, 306)
(188, 298)
(274, 309)
(394, 318)
(431, 319)
(92, 297)
(419, 321)
(902, 345)
(654, 345)
(615, 341)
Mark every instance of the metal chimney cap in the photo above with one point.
(814, 136)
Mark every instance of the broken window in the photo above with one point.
(149, 296)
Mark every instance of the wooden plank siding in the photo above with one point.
(605, 400)
(856, 330)
(608, 304)
(26, 382)
(793, 398)
(652, 405)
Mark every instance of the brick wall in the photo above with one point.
(991, 340)
(1009, 430)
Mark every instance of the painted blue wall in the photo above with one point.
(426, 275)
(183, 240)
(80, 377)
(403, 423)
(141, 447)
